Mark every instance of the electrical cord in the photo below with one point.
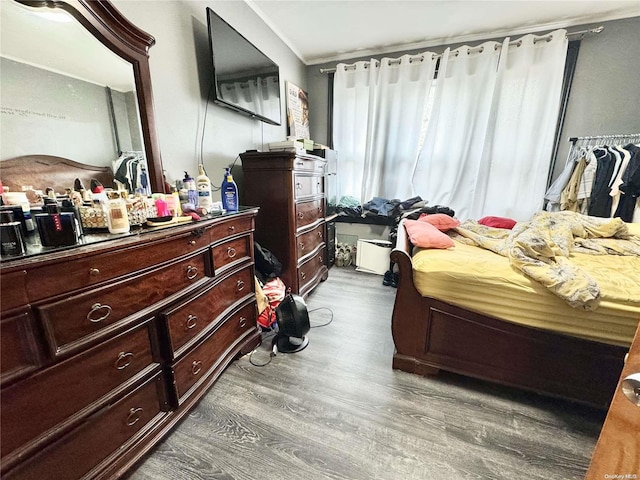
(322, 324)
(274, 347)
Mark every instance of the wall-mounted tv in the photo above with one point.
(245, 79)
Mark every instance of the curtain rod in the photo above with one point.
(480, 48)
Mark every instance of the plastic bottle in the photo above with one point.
(229, 192)
(203, 184)
(192, 191)
(116, 210)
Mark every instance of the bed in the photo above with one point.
(449, 316)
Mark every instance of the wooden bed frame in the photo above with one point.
(42, 171)
(431, 335)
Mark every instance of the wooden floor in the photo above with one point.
(337, 410)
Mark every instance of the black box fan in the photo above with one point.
(293, 324)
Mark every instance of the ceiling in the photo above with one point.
(321, 31)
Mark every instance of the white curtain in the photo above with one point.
(489, 140)
(378, 113)
(451, 158)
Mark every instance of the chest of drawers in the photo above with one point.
(290, 191)
(106, 346)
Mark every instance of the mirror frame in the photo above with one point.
(119, 35)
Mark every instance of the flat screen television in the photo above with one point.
(244, 78)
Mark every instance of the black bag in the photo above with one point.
(267, 265)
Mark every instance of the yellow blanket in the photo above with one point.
(540, 249)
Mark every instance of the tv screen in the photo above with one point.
(245, 79)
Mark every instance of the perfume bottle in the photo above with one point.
(56, 229)
(12, 242)
(116, 211)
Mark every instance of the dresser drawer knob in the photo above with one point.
(243, 322)
(97, 309)
(320, 259)
(303, 275)
(94, 272)
(301, 215)
(298, 186)
(123, 360)
(191, 322)
(232, 228)
(192, 242)
(319, 234)
(301, 245)
(196, 367)
(240, 285)
(135, 414)
(231, 252)
(192, 272)
(300, 164)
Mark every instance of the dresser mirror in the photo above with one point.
(76, 84)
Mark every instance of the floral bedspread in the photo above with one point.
(541, 249)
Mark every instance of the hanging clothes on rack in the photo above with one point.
(127, 170)
(630, 188)
(598, 174)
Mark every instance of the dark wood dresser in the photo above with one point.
(290, 190)
(106, 346)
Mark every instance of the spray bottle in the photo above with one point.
(229, 192)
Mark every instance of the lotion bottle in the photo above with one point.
(229, 192)
(203, 185)
(117, 216)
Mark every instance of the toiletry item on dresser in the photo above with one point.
(20, 198)
(229, 192)
(173, 203)
(56, 229)
(116, 211)
(69, 206)
(203, 185)
(12, 242)
(192, 191)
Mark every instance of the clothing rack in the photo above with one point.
(479, 48)
(626, 138)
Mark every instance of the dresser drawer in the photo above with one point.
(80, 318)
(99, 436)
(14, 290)
(198, 364)
(307, 185)
(228, 228)
(59, 278)
(309, 212)
(186, 321)
(230, 253)
(42, 401)
(19, 351)
(307, 242)
(311, 270)
(310, 165)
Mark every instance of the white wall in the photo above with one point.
(181, 76)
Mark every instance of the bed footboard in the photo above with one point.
(431, 335)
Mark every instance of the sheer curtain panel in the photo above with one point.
(450, 162)
(489, 139)
(378, 112)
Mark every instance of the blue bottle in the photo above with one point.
(229, 191)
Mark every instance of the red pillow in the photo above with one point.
(497, 222)
(425, 235)
(441, 221)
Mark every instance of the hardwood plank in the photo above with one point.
(337, 410)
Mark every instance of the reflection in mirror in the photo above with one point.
(64, 93)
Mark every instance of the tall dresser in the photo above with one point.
(106, 346)
(289, 188)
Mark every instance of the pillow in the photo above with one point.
(425, 235)
(497, 222)
(441, 221)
